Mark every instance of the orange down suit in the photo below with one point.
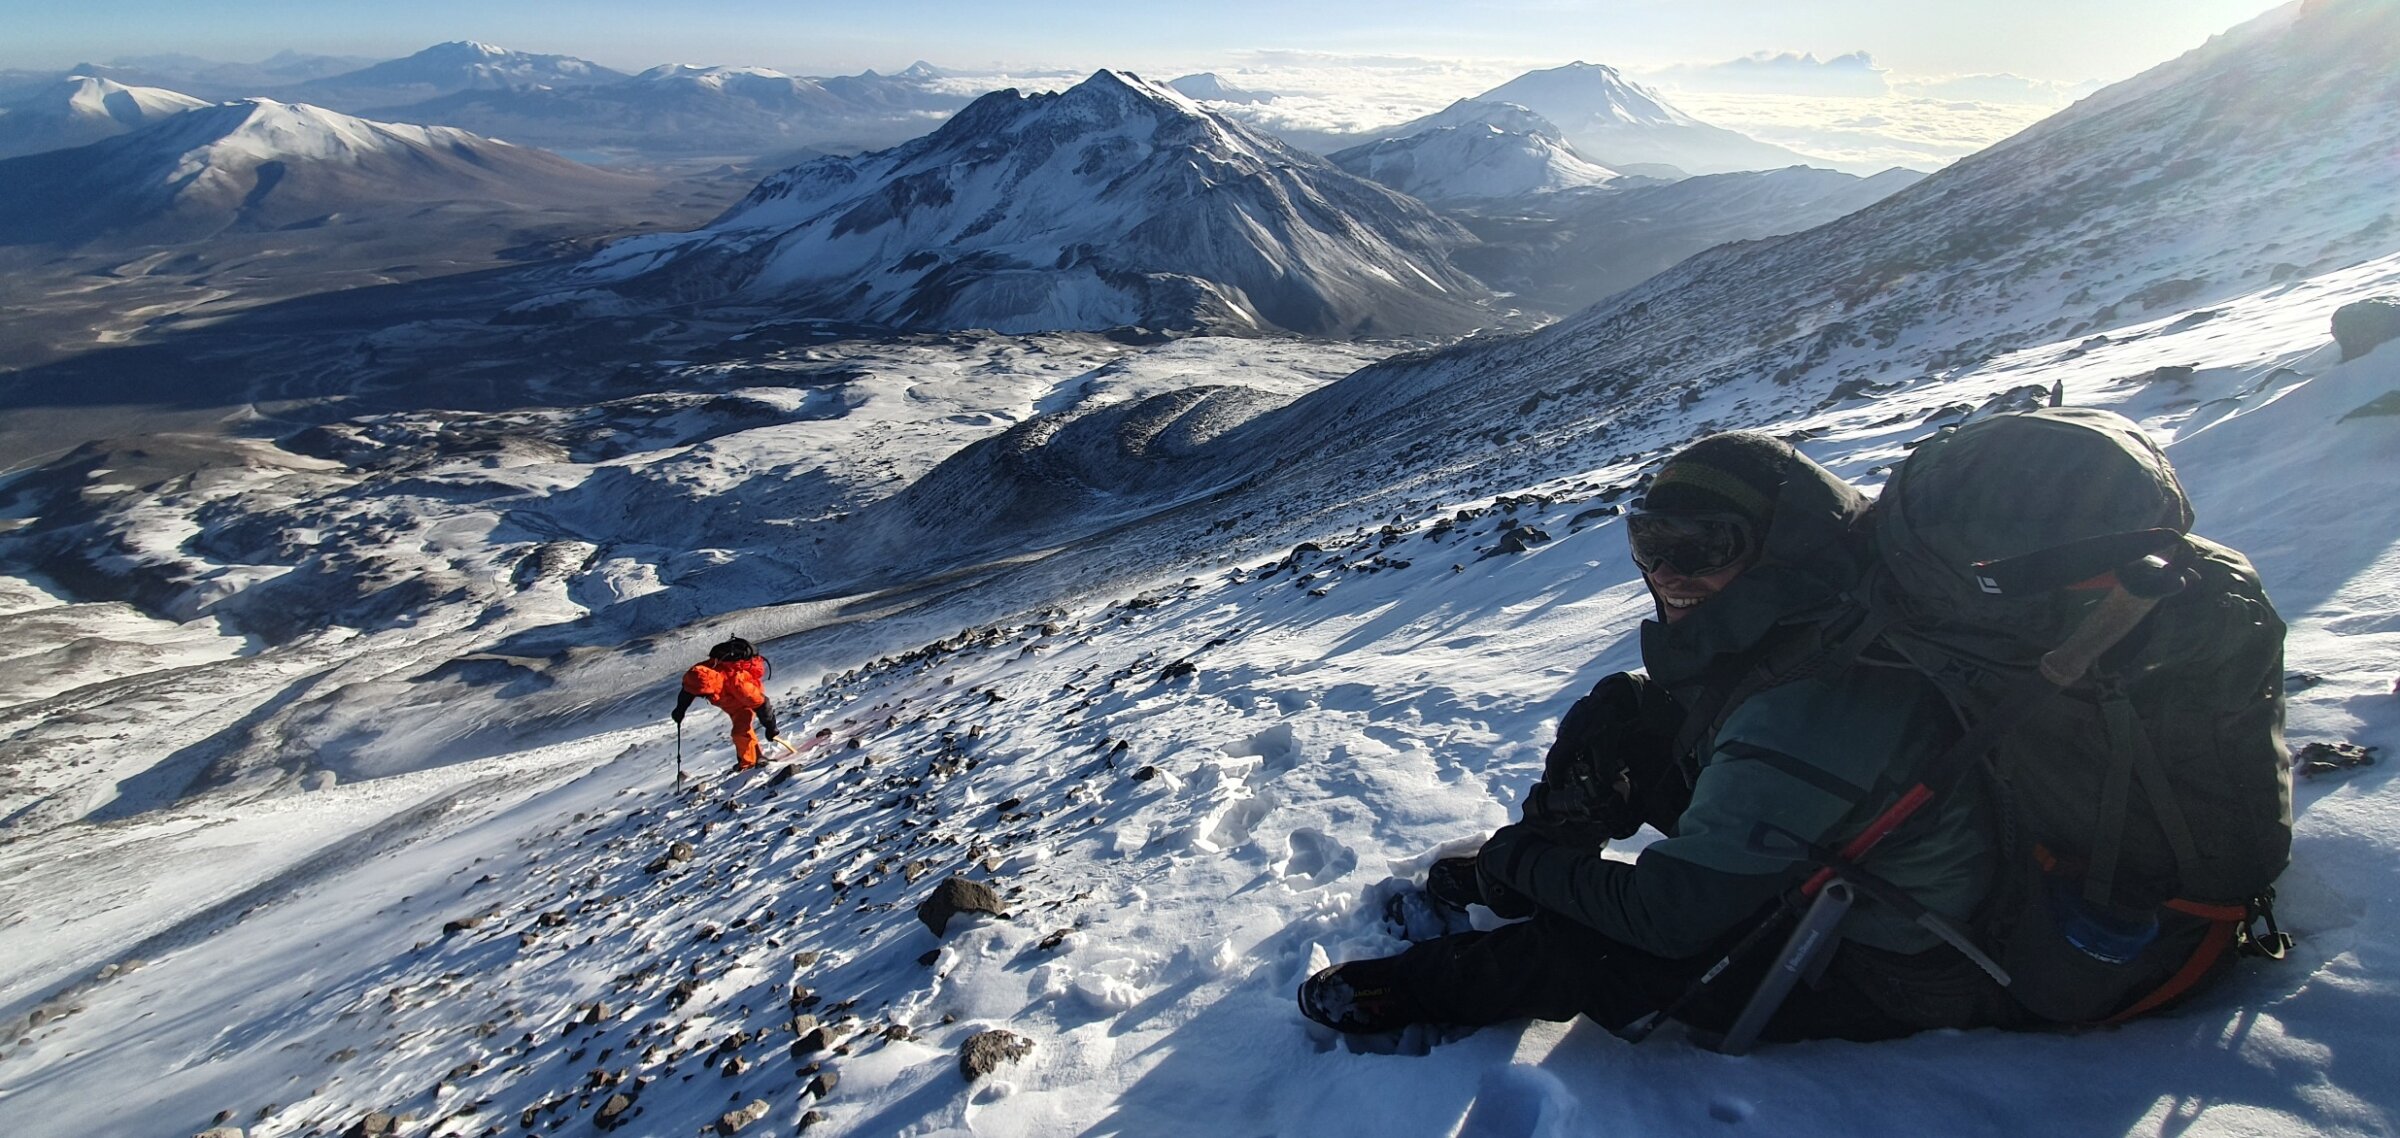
(737, 686)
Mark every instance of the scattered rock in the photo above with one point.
(2332, 758)
(2382, 406)
(2362, 325)
(1178, 670)
(375, 1125)
(818, 1037)
(1057, 937)
(823, 1085)
(1145, 774)
(1522, 538)
(613, 1113)
(734, 1120)
(811, 1119)
(220, 1132)
(957, 895)
(462, 924)
(986, 1051)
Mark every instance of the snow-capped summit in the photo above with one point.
(1620, 123)
(81, 109)
(1476, 150)
(1208, 88)
(446, 68)
(262, 164)
(1117, 202)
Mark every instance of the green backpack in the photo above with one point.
(2145, 802)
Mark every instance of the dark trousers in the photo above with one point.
(1551, 968)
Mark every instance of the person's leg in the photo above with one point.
(745, 741)
(1547, 968)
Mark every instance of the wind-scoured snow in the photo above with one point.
(425, 863)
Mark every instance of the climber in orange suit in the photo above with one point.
(733, 678)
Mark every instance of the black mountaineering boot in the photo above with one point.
(1359, 997)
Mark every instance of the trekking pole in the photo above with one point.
(679, 752)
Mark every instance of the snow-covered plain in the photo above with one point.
(1193, 753)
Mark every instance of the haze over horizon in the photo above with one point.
(2054, 41)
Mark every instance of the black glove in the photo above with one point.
(1460, 881)
(676, 715)
(1587, 794)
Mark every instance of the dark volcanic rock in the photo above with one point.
(2360, 326)
(986, 1051)
(958, 895)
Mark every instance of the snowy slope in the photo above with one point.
(260, 164)
(1118, 202)
(82, 109)
(1620, 123)
(1192, 754)
(1475, 151)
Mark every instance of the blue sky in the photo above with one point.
(2066, 40)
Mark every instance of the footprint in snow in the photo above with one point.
(1318, 857)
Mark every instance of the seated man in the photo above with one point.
(1745, 758)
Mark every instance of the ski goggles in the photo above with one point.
(1692, 544)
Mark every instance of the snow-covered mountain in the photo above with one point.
(445, 68)
(424, 850)
(680, 110)
(1118, 202)
(1206, 87)
(1475, 151)
(82, 109)
(260, 164)
(1565, 252)
(1626, 126)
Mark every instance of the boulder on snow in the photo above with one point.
(986, 1051)
(613, 1112)
(2360, 326)
(958, 895)
(220, 1132)
(376, 1124)
(1522, 538)
(733, 1121)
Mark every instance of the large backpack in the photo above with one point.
(2146, 805)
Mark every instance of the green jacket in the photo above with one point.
(1801, 763)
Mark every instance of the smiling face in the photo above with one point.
(1679, 594)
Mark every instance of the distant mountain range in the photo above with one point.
(259, 164)
(1119, 202)
(444, 69)
(682, 110)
